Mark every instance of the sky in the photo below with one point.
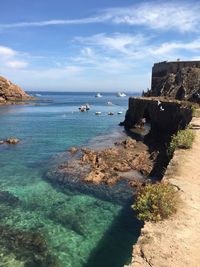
(90, 45)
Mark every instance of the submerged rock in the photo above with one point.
(8, 198)
(27, 247)
(111, 169)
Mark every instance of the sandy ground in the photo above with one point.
(176, 242)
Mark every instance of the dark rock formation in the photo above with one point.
(178, 80)
(8, 198)
(11, 92)
(166, 117)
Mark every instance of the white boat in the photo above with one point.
(84, 107)
(110, 113)
(120, 94)
(98, 95)
(119, 112)
(109, 103)
(98, 113)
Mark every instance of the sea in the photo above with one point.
(47, 128)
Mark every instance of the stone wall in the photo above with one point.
(165, 67)
(178, 79)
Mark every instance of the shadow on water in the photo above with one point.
(115, 247)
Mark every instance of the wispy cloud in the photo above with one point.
(97, 19)
(168, 47)
(17, 64)
(117, 41)
(158, 15)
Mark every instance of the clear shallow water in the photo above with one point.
(81, 230)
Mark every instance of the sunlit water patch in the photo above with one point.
(79, 229)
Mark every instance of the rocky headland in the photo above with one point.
(11, 93)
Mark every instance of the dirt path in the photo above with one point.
(176, 242)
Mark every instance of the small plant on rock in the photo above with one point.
(184, 139)
(155, 202)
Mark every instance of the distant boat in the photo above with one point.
(98, 113)
(98, 95)
(109, 103)
(119, 112)
(84, 107)
(110, 113)
(120, 94)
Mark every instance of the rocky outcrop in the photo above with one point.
(10, 92)
(179, 80)
(10, 141)
(115, 169)
(166, 117)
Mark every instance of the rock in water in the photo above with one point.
(12, 141)
(11, 92)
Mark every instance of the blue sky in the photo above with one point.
(88, 45)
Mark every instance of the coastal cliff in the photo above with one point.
(174, 242)
(166, 117)
(178, 80)
(10, 92)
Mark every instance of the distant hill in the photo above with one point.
(11, 92)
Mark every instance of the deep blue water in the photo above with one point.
(47, 128)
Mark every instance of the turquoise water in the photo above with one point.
(79, 229)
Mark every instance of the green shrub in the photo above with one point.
(184, 139)
(195, 109)
(155, 202)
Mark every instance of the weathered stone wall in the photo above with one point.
(165, 117)
(179, 80)
(163, 68)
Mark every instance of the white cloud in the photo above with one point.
(17, 64)
(7, 52)
(117, 42)
(159, 15)
(169, 47)
(183, 17)
(11, 58)
(96, 19)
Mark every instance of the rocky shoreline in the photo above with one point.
(110, 173)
